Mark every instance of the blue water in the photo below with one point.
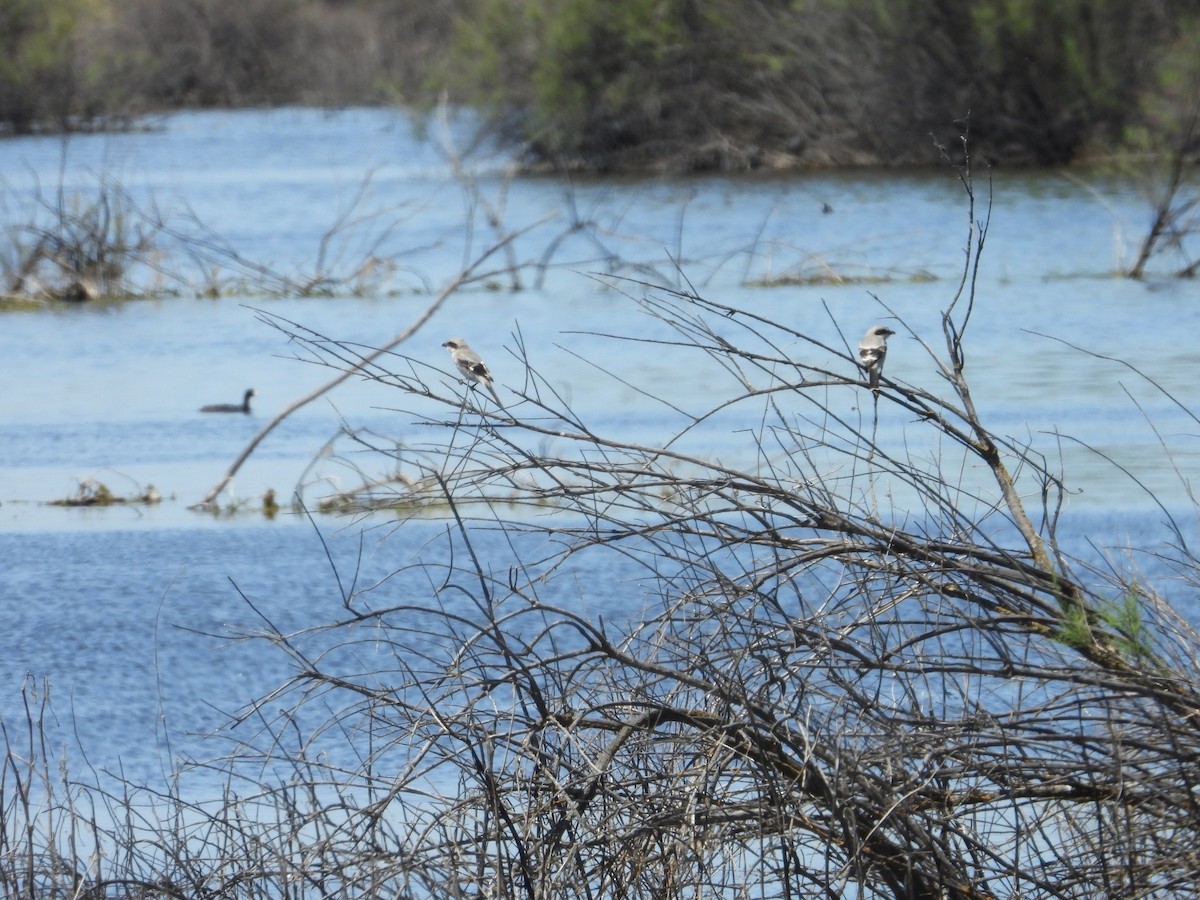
(126, 611)
(151, 639)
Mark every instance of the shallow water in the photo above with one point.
(113, 605)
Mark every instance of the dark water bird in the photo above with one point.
(243, 407)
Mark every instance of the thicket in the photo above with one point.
(636, 84)
(725, 83)
(71, 64)
(847, 660)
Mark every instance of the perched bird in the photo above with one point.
(243, 407)
(872, 350)
(471, 366)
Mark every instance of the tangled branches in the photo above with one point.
(861, 669)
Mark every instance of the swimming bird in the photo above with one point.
(470, 365)
(872, 350)
(243, 407)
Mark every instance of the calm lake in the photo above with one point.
(124, 611)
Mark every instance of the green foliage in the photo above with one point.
(40, 56)
(1171, 105)
(1078, 62)
(589, 79)
(1042, 82)
(578, 71)
(1133, 637)
(636, 83)
(684, 84)
(69, 64)
(1075, 629)
(1119, 625)
(599, 57)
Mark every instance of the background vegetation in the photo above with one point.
(95, 63)
(635, 84)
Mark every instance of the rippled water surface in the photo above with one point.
(114, 606)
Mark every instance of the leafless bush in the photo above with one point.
(1174, 199)
(860, 669)
(63, 838)
(80, 246)
(84, 244)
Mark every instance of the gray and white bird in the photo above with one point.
(470, 365)
(872, 350)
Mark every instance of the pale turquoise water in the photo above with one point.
(112, 605)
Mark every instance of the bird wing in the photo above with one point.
(871, 356)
